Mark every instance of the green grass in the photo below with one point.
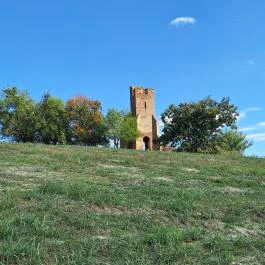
(79, 205)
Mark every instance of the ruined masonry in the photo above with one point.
(143, 108)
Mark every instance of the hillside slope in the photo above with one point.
(79, 205)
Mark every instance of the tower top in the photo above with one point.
(140, 88)
(141, 91)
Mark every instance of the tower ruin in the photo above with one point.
(143, 108)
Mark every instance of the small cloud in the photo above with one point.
(258, 137)
(253, 127)
(160, 123)
(243, 114)
(253, 109)
(182, 21)
(261, 124)
(247, 129)
(251, 62)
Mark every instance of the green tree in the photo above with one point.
(17, 115)
(113, 122)
(52, 124)
(85, 121)
(196, 126)
(233, 141)
(129, 130)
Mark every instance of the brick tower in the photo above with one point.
(143, 108)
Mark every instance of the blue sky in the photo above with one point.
(185, 50)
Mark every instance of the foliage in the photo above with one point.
(113, 122)
(129, 131)
(50, 121)
(195, 126)
(121, 126)
(85, 120)
(17, 115)
(233, 141)
(52, 124)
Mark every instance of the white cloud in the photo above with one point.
(251, 62)
(258, 137)
(261, 124)
(253, 109)
(247, 129)
(182, 21)
(243, 114)
(252, 127)
(160, 123)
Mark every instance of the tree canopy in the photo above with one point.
(85, 120)
(232, 141)
(52, 123)
(113, 122)
(129, 130)
(17, 115)
(196, 126)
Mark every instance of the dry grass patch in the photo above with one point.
(246, 232)
(215, 178)
(21, 170)
(230, 189)
(111, 210)
(190, 169)
(166, 179)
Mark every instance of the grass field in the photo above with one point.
(79, 205)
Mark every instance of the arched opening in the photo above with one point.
(130, 145)
(146, 143)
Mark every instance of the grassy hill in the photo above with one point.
(79, 205)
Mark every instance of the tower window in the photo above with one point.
(145, 105)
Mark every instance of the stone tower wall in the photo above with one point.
(143, 108)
